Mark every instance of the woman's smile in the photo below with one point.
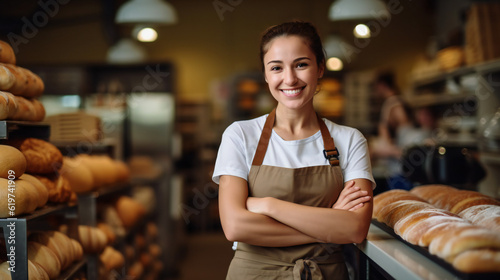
(292, 92)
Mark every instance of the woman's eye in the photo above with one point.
(302, 65)
(275, 68)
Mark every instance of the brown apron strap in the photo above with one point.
(330, 152)
(264, 139)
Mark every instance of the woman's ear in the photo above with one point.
(321, 71)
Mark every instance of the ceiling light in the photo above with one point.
(126, 51)
(146, 11)
(145, 33)
(335, 46)
(334, 64)
(356, 9)
(362, 31)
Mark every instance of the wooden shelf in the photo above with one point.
(24, 129)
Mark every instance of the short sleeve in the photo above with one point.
(231, 159)
(357, 163)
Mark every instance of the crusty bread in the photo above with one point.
(413, 226)
(450, 244)
(487, 216)
(58, 187)
(473, 261)
(429, 192)
(473, 201)
(43, 193)
(42, 157)
(11, 160)
(7, 79)
(35, 85)
(448, 201)
(21, 81)
(44, 256)
(393, 212)
(39, 113)
(12, 105)
(438, 229)
(7, 54)
(80, 178)
(382, 199)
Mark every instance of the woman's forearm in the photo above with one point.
(329, 225)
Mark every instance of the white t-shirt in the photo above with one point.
(240, 140)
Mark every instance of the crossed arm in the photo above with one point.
(272, 222)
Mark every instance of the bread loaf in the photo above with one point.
(112, 259)
(12, 105)
(55, 241)
(35, 85)
(473, 201)
(78, 175)
(41, 156)
(25, 200)
(35, 271)
(93, 240)
(7, 79)
(110, 235)
(43, 193)
(7, 53)
(393, 212)
(39, 113)
(414, 233)
(4, 107)
(21, 81)
(129, 211)
(405, 227)
(43, 256)
(474, 261)
(431, 192)
(12, 162)
(441, 228)
(382, 199)
(77, 248)
(450, 244)
(487, 216)
(58, 187)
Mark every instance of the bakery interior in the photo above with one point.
(115, 139)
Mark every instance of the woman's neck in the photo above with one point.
(295, 124)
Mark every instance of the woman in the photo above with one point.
(279, 175)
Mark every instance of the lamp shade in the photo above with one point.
(356, 9)
(146, 11)
(335, 46)
(126, 51)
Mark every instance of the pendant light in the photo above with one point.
(146, 11)
(126, 51)
(338, 52)
(356, 9)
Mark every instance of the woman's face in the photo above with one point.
(291, 71)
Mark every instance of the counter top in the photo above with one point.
(398, 259)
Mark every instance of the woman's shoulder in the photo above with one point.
(245, 127)
(342, 131)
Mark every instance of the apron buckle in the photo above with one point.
(332, 156)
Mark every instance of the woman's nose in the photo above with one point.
(290, 77)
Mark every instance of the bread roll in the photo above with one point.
(43, 256)
(414, 233)
(382, 199)
(475, 261)
(12, 162)
(78, 175)
(42, 157)
(112, 259)
(43, 193)
(12, 105)
(487, 216)
(25, 111)
(25, 198)
(7, 54)
(21, 81)
(110, 235)
(58, 187)
(7, 79)
(93, 240)
(449, 245)
(112, 219)
(77, 248)
(129, 211)
(393, 212)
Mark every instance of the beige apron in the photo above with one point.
(317, 186)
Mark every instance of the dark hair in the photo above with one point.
(299, 28)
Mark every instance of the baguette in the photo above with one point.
(12, 105)
(7, 79)
(381, 200)
(473, 261)
(487, 216)
(473, 201)
(439, 228)
(393, 212)
(429, 192)
(21, 81)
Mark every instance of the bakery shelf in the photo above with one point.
(70, 272)
(24, 129)
(410, 257)
(423, 100)
(48, 210)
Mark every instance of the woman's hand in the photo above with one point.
(351, 198)
(258, 205)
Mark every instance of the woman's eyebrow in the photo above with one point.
(295, 60)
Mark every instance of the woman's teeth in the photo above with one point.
(292, 92)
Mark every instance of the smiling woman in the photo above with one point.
(292, 186)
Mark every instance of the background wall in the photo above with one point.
(205, 45)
